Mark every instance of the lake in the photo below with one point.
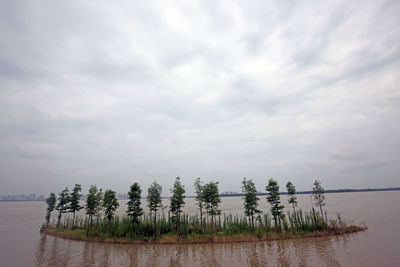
(21, 244)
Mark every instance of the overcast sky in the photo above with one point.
(113, 92)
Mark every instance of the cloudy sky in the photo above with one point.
(112, 92)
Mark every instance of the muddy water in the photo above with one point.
(21, 244)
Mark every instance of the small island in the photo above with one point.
(169, 225)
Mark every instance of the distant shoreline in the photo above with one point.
(332, 191)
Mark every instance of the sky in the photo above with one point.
(116, 92)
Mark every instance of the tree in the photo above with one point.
(275, 202)
(110, 204)
(154, 201)
(62, 205)
(177, 200)
(319, 195)
(291, 189)
(250, 199)
(199, 198)
(93, 205)
(134, 208)
(212, 199)
(74, 205)
(51, 203)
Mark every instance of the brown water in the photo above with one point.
(21, 244)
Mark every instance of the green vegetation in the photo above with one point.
(212, 199)
(93, 204)
(199, 198)
(274, 200)
(137, 226)
(62, 205)
(250, 200)
(74, 205)
(154, 201)
(319, 195)
(110, 204)
(51, 203)
(291, 189)
(134, 208)
(177, 201)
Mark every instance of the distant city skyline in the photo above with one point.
(111, 93)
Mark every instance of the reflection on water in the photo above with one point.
(22, 245)
(298, 252)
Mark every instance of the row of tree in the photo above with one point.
(207, 199)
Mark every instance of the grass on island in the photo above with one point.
(226, 228)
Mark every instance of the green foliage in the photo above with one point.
(250, 199)
(154, 201)
(274, 200)
(319, 195)
(110, 204)
(93, 205)
(140, 226)
(62, 204)
(177, 200)
(121, 227)
(74, 199)
(51, 202)
(199, 197)
(134, 208)
(291, 189)
(93, 201)
(154, 197)
(74, 205)
(212, 199)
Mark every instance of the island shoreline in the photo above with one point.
(215, 239)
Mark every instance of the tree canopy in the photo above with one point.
(274, 200)
(51, 203)
(154, 201)
(134, 204)
(212, 199)
(62, 204)
(250, 199)
(319, 195)
(110, 204)
(177, 200)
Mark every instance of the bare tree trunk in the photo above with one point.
(280, 225)
(59, 219)
(73, 221)
(201, 216)
(322, 215)
(155, 223)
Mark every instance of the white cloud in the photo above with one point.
(106, 93)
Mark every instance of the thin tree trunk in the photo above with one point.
(322, 215)
(59, 219)
(73, 221)
(155, 223)
(201, 216)
(280, 225)
(295, 215)
(315, 219)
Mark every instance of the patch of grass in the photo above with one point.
(229, 228)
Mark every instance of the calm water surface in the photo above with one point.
(21, 244)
